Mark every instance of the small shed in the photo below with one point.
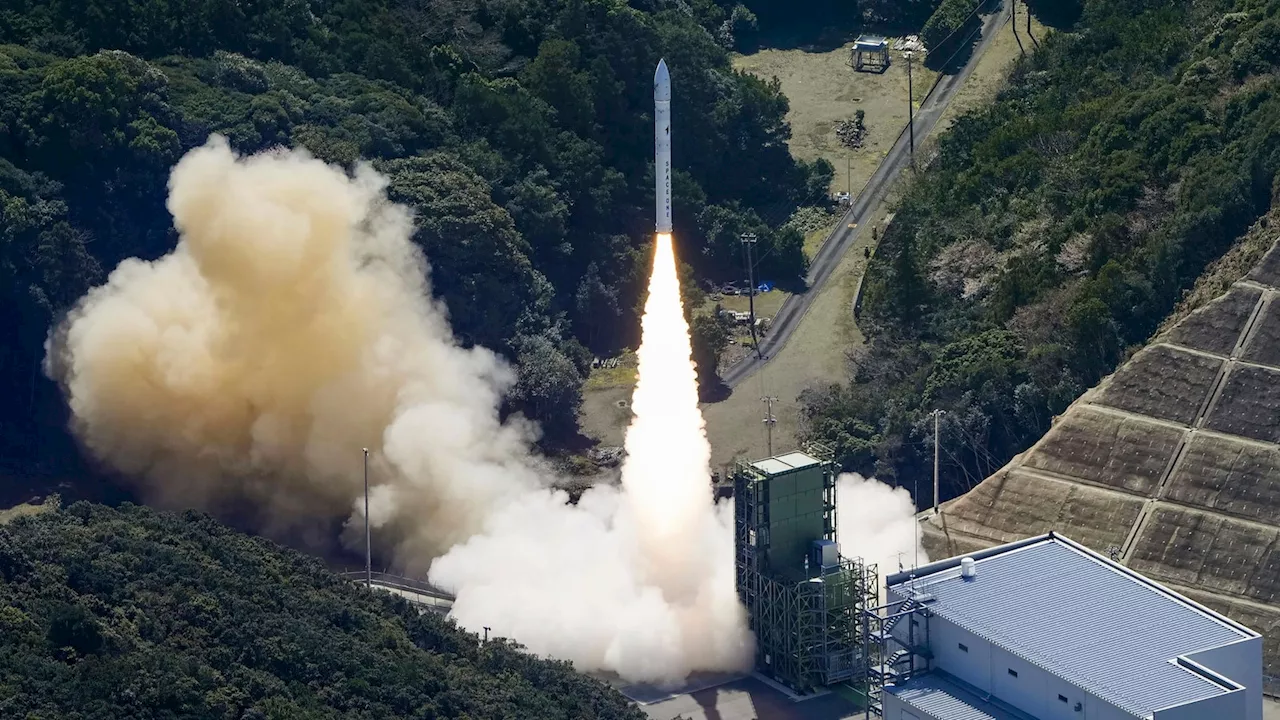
(870, 54)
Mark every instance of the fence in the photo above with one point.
(418, 592)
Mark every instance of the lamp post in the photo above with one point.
(368, 548)
(911, 109)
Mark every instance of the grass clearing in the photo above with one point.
(605, 378)
(814, 239)
(823, 90)
(814, 356)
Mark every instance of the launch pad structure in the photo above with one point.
(815, 614)
(805, 602)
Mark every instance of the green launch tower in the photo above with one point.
(805, 602)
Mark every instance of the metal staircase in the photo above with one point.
(897, 658)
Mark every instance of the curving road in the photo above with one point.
(843, 237)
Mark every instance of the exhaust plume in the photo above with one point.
(645, 575)
(293, 325)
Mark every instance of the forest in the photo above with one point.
(130, 613)
(1055, 229)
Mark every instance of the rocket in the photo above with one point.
(662, 145)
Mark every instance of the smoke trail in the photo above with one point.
(641, 581)
(667, 472)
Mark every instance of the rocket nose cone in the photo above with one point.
(662, 82)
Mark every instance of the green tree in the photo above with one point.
(950, 30)
(1057, 13)
(482, 270)
(555, 77)
(709, 335)
(126, 612)
(549, 388)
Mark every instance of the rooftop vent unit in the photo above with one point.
(968, 568)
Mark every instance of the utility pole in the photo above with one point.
(911, 109)
(936, 414)
(486, 633)
(915, 521)
(848, 177)
(769, 419)
(368, 547)
(748, 245)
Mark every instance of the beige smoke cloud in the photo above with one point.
(290, 327)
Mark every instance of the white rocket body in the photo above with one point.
(662, 145)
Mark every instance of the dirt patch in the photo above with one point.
(606, 412)
(1162, 383)
(1216, 327)
(824, 89)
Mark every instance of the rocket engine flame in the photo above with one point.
(667, 473)
(647, 573)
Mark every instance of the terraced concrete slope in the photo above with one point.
(1171, 465)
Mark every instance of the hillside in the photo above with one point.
(1054, 230)
(129, 613)
(518, 131)
(1171, 464)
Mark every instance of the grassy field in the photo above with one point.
(823, 90)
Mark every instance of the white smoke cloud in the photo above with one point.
(293, 325)
(876, 522)
(639, 581)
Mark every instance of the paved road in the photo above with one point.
(843, 237)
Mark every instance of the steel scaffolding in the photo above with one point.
(896, 652)
(807, 617)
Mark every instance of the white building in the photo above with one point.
(1046, 629)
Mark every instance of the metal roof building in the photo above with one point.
(1046, 629)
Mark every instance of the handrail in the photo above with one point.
(400, 582)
